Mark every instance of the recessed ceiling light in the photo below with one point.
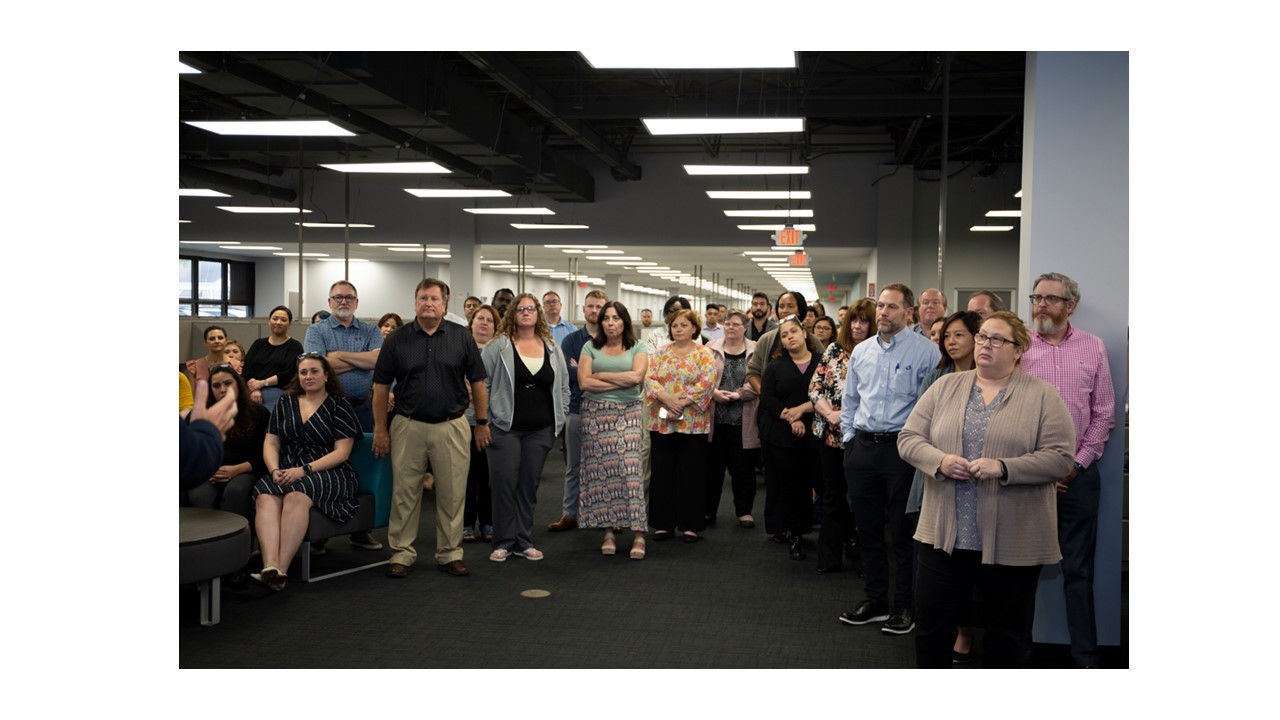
(332, 225)
(546, 226)
(747, 169)
(181, 221)
(769, 213)
(414, 245)
(343, 260)
(418, 249)
(274, 128)
(598, 252)
(542, 272)
(249, 247)
(721, 126)
(690, 58)
(612, 257)
(305, 254)
(442, 193)
(261, 210)
(768, 252)
(185, 69)
(510, 211)
(397, 168)
(221, 243)
(1004, 213)
(991, 228)
(438, 256)
(759, 194)
(495, 262)
(1018, 194)
(200, 192)
(803, 227)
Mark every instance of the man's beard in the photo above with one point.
(344, 314)
(759, 314)
(1045, 324)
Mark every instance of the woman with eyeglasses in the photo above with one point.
(790, 454)
(955, 340)
(309, 440)
(528, 384)
(991, 442)
(242, 464)
(611, 372)
(837, 536)
(477, 513)
(824, 329)
(269, 365)
(734, 436)
(677, 390)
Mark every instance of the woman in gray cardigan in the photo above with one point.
(528, 384)
(991, 442)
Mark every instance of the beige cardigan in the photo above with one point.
(1032, 433)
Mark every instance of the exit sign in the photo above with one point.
(789, 237)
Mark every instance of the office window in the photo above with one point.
(214, 288)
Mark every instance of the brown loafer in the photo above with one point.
(564, 523)
(454, 568)
(396, 570)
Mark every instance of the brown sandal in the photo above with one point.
(637, 549)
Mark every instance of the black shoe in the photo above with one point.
(899, 623)
(780, 538)
(866, 612)
(959, 658)
(797, 550)
(828, 569)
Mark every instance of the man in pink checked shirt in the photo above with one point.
(1075, 363)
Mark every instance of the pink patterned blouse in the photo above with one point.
(693, 376)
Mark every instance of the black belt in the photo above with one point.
(876, 437)
(436, 421)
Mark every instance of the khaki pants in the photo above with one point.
(413, 445)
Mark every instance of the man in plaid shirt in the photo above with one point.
(1075, 363)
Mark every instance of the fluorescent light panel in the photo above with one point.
(759, 194)
(305, 254)
(238, 246)
(200, 192)
(261, 210)
(1018, 194)
(580, 247)
(181, 221)
(542, 226)
(439, 256)
(397, 168)
(722, 126)
(991, 228)
(222, 243)
(612, 257)
(332, 225)
(343, 260)
(690, 58)
(185, 69)
(803, 227)
(1004, 213)
(495, 262)
(747, 169)
(510, 211)
(769, 213)
(273, 128)
(445, 193)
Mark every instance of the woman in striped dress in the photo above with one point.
(611, 371)
(309, 441)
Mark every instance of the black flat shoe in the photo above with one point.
(690, 538)
(828, 569)
(661, 535)
(780, 538)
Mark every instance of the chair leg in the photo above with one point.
(305, 552)
(210, 601)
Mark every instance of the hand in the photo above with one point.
(287, 476)
(222, 474)
(985, 469)
(684, 402)
(482, 437)
(955, 467)
(381, 444)
(721, 396)
(833, 424)
(833, 418)
(256, 396)
(391, 401)
(734, 396)
(255, 384)
(1062, 484)
(797, 428)
(791, 414)
(222, 413)
(573, 363)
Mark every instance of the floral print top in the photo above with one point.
(693, 376)
(828, 382)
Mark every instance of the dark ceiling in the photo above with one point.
(545, 122)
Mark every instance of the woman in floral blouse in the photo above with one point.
(826, 392)
(677, 393)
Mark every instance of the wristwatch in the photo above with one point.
(482, 421)
(1079, 469)
(306, 468)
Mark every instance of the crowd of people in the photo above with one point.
(944, 458)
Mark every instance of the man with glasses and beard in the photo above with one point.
(1075, 363)
(351, 348)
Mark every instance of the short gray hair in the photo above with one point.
(1070, 290)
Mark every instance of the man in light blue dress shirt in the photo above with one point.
(551, 307)
(881, 388)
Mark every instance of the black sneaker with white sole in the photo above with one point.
(866, 612)
(900, 622)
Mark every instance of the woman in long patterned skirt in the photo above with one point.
(611, 372)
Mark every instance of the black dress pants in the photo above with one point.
(837, 520)
(726, 452)
(1006, 611)
(879, 482)
(678, 481)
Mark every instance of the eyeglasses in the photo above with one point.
(343, 298)
(551, 302)
(995, 340)
(734, 324)
(1048, 299)
(526, 308)
(312, 354)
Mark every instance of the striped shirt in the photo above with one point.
(1077, 367)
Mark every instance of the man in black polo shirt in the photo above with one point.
(431, 362)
